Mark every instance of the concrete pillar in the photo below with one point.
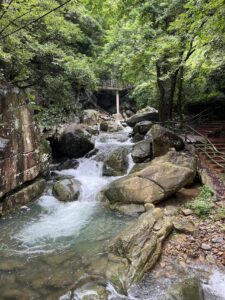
(117, 102)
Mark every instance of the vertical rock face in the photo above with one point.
(23, 156)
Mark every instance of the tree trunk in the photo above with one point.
(180, 93)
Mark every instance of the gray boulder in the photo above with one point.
(137, 248)
(67, 189)
(117, 163)
(142, 127)
(150, 115)
(164, 139)
(163, 177)
(74, 142)
(138, 137)
(142, 151)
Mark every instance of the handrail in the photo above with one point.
(208, 145)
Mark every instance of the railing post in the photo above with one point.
(118, 102)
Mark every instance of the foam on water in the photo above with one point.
(216, 285)
(57, 220)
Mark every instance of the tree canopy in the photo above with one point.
(172, 51)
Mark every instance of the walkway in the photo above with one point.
(213, 151)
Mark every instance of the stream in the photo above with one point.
(49, 247)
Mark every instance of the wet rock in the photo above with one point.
(164, 139)
(141, 151)
(163, 177)
(91, 153)
(68, 164)
(104, 126)
(136, 249)
(74, 142)
(184, 225)
(9, 265)
(67, 189)
(138, 137)
(150, 115)
(117, 163)
(189, 289)
(22, 197)
(129, 209)
(14, 293)
(142, 127)
(114, 126)
(92, 292)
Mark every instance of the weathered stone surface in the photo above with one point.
(150, 115)
(138, 137)
(129, 209)
(142, 127)
(22, 197)
(163, 177)
(184, 225)
(164, 139)
(68, 164)
(137, 248)
(141, 151)
(117, 163)
(138, 167)
(73, 142)
(67, 189)
(189, 289)
(90, 117)
(23, 155)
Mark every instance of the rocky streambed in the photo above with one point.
(98, 247)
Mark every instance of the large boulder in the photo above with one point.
(67, 189)
(73, 142)
(23, 153)
(22, 197)
(142, 127)
(117, 163)
(142, 151)
(137, 248)
(150, 115)
(90, 117)
(164, 139)
(161, 178)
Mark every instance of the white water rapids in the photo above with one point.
(47, 247)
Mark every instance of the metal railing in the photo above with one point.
(113, 84)
(204, 145)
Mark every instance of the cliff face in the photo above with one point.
(23, 155)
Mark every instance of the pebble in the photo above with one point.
(206, 246)
(187, 212)
(218, 240)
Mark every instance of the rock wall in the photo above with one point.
(23, 155)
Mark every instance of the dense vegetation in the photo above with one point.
(172, 51)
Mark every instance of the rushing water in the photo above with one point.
(51, 247)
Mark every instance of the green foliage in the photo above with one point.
(54, 56)
(202, 205)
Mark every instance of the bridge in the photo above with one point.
(117, 87)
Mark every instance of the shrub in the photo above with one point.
(202, 204)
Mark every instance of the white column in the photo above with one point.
(117, 102)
